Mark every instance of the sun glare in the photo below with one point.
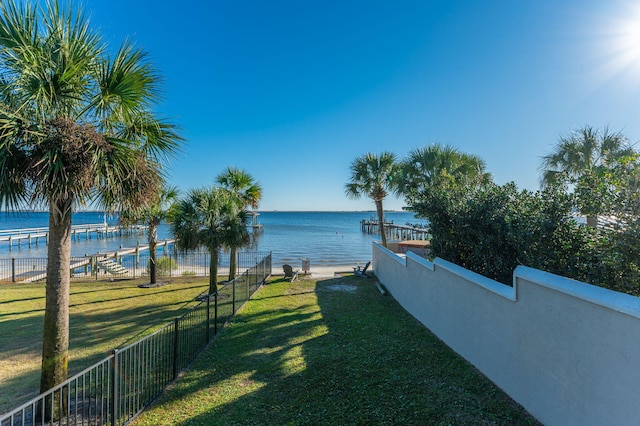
(626, 41)
(618, 43)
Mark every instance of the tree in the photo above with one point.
(427, 167)
(152, 215)
(75, 128)
(372, 175)
(205, 218)
(583, 159)
(243, 186)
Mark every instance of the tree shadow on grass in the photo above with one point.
(94, 334)
(331, 352)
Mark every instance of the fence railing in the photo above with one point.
(129, 265)
(114, 390)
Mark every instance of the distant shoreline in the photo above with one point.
(259, 211)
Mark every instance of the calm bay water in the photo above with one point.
(325, 238)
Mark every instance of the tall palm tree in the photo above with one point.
(581, 154)
(204, 219)
(75, 128)
(152, 215)
(372, 176)
(428, 166)
(243, 186)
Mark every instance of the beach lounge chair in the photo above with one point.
(361, 272)
(289, 273)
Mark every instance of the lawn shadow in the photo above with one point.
(334, 351)
(94, 334)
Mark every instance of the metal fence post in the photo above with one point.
(215, 313)
(175, 348)
(207, 336)
(13, 269)
(233, 300)
(114, 389)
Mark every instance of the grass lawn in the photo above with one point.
(332, 351)
(103, 316)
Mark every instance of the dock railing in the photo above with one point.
(116, 389)
(101, 230)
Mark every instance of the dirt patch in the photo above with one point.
(157, 284)
(347, 288)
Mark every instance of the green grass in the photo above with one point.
(103, 316)
(313, 353)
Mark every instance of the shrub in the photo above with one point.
(491, 230)
(164, 265)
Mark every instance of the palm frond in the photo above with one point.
(158, 139)
(127, 84)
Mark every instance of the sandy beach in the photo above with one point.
(321, 271)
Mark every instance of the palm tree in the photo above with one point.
(428, 166)
(75, 128)
(205, 218)
(242, 185)
(152, 215)
(581, 154)
(372, 175)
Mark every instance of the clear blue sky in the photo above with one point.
(292, 91)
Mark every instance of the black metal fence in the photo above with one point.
(114, 390)
(130, 265)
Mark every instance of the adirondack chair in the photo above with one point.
(289, 273)
(361, 272)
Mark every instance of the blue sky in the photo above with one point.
(293, 91)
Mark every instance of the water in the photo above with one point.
(325, 238)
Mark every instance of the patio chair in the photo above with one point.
(361, 272)
(289, 273)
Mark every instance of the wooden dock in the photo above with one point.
(98, 230)
(392, 230)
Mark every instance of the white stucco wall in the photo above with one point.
(569, 352)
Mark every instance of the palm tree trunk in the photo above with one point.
(152, 237)
(232, 263)
(55, 340)
(383, 233)
(213, 270)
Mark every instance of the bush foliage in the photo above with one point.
(491, 229)
(164, 266)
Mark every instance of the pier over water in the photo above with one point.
(392, 230)
(97, 230)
